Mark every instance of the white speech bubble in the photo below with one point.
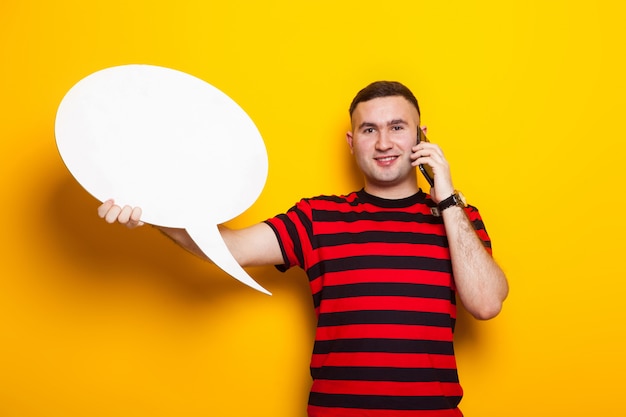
(167, 142)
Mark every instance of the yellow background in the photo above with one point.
(527, 98)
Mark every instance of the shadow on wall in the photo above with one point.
(78, 233)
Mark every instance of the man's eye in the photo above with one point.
(397, 128)
(368, 130)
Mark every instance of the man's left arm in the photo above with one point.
(480, 282)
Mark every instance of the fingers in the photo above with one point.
(124, 215)
(431, 154)
(135, 218)
(105, 207)
(128, 216)
(429, 151)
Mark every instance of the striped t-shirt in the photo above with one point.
(381, 279)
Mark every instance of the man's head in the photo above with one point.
(385, 119)
(383, 89)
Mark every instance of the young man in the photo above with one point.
(384, 264)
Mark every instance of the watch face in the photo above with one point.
(461, 198)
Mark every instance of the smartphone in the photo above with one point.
(426, 170)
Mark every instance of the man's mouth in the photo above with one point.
(384, 160)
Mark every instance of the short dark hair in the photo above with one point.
(379, 89)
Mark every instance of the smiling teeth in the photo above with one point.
(387, 158)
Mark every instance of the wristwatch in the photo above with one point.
(456, 199)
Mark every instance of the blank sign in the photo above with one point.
(167, 142)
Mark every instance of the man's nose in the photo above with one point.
(383, 142)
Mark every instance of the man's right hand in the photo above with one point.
(127, 215)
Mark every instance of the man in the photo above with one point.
(384, 264)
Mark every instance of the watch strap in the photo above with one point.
(454, 200)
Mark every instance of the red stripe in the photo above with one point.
(398, 276)
(384, 331)
(449, 389)
(383, 359)
(397, 303)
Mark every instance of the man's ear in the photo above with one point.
(349, 140)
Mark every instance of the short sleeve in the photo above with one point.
(478, 224)
(293, 230)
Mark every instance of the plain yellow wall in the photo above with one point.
(526, 98)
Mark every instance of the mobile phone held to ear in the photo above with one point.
(426, 170)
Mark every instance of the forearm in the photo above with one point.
(252, 246)
(182, 238)
(481, 283)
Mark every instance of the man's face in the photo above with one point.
(383, 132)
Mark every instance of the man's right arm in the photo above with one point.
(251, 246)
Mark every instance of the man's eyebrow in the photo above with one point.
(389, 123)
(367, 124)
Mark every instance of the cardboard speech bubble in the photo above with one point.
(167, 142)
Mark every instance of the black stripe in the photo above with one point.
(389, 289)
(418, 318)
(333, 199)
(379, 262)
(293, 235)
(434, 347)
(384, 402)
(384, 289)
(337, 239)
(306, 223)
(417, 198)
(478, 225)
(383, 216)
(371, 373)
